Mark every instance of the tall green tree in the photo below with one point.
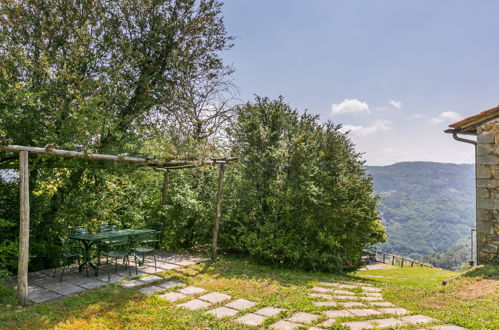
(302, 196)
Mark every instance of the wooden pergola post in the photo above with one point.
(218, 212)
(22, 272)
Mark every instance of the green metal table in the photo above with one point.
(90, 239)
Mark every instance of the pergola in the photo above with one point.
(161, 165)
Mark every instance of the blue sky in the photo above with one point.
(396, 73)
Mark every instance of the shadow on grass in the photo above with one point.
(236, 267)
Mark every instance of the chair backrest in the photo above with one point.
(77, 231)
(117, 243)
(148, 239)
(108, 228)
(158, 226)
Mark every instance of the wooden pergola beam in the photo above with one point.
(126, 159)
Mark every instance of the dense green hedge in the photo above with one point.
(299, 193)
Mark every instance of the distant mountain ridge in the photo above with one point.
(427, 208)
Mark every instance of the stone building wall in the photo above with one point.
(487, 162)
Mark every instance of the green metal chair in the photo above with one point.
(104, 229)
(143, 244)
(158, 226)
(116, 248)
(69, 252)
(76, 244)
(108, 227)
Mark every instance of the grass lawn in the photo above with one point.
(470, 302)
(417, 289)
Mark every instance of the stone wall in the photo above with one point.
(487, 182)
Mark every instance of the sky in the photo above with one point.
(394, 73)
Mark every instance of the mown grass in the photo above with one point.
(418, 290)
(468, 302)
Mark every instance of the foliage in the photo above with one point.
(301, 196)
(484, 271)
(428, 210)
(106, 76)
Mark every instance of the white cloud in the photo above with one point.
(449, 116)
(396, 104)
(350, 106)
(416, 116)
(377, 126)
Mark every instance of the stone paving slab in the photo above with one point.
(150, 290)
(302, 317)
(150, 278)
(387, 323)
(241, 304)
(148, 269)
(358, 325)
(251, 319)
(370, 289)
(347, 286)
(173, 296)
(68, 290)
(269, 311)
(171, 284)
(215, 297)
(327, 323)
(372, 294)
(344, 292)
(113, 278)
(416, 319)
(167, 266)
(321, 289)
(194, 304)
(382, 304)
(92, 285)
(285, 325)
(320, 295)
(43, 296)
(222, 312)
(131, 283)
(349, 298)
(184, 260)
(191, 290)
(352, 304)
(325, 303)
(338, 313)
(371, 298)
(447, 327)
(329, 283)
(364, 312)
(396, 311)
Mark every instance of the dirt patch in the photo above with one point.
(478, 289)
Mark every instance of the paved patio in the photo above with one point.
(43, 287)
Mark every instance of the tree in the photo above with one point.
(302, 196)
(92, 74)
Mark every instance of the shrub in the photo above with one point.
(299, 195)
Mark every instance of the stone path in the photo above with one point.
(43, 287)
(243, 311)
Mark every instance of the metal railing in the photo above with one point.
(393, 259)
